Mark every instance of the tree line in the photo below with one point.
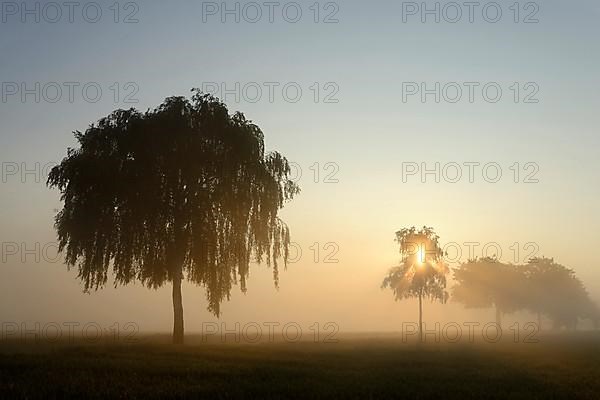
(541, 286)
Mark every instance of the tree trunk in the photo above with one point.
(177, 312)
(539, 315)
(421, 316)
(498, 317)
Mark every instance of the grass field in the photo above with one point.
(358, 366)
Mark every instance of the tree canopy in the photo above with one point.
(487, 282)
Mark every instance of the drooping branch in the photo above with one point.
(186, 187)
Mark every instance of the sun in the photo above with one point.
(421, 255)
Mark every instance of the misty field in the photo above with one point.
(358, 366)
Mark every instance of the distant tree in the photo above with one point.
(555, 291)
(422, 271)
(487, 282)
(537, 271)
(184, 191)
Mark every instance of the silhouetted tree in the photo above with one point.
(487, 282)
(422, 271)
(184, 191)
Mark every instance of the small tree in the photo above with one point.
(422, 271)
(182, 191)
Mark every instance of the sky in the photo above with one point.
(346, 91)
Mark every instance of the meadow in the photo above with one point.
(359, 366)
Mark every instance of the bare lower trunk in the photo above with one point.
(177, 312)
(498, 317)
(539, 316)
(556, 325)
(420, 317)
